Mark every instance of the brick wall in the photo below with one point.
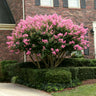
(16, 9)
(4, 52)
(86, 16)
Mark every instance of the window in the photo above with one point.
(6, 19)
(5, 13)
(48, 3)
(73, 3)
(86, 51)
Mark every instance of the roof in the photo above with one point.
(5, 13)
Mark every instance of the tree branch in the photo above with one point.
(38, 64)
(33, 60)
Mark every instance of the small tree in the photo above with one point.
(47, 38)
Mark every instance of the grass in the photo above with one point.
(85, 90)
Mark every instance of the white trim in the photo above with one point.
(94, 29)
(23, 4)
(46, 4)
(7, 26)
(69, 6)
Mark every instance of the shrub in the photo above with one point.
(77, 62)
(7, 67)
(49, 87)
(74, 72)
(30, 65)
(83, 73)
(46, 79)
(45, 75)
(58, 76)
(67, 62)
(27, 65)
(77, 54)
(8, 62)
(12, 70)
(47, 38)
(14, 79)
(87, 73)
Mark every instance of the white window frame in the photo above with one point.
(73, 6)
(94, 29)
(45, 5)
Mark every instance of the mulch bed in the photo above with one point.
(90, 81)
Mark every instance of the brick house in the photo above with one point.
(80, 11)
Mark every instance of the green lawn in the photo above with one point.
(85, 90)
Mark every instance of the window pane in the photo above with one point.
(5, 14)
(46, 2)
(74, 3)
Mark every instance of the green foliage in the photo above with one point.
(77, 62)
(74, 72)
(47, 79)
(8, 67)
(52, 79)
(83, 73)
(8, 62)
(34, 76)
(30, 65)
(49, 87)
(67, 62)
(58, 76)
(14, 79)
(77, 54)
(12, 70)
(27, 65)
(87, 73)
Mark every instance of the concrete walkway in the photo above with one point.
(9, 89)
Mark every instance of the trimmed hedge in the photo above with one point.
(5, 66)
(77, 62)
(83, 73)
(57, 76)
(48, 79)
(67, 62)
(34, 76)
(45, 79)
(27, 65)
(12, 68)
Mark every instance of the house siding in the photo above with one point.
(4, 52)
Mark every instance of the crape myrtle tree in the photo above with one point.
(47, 38)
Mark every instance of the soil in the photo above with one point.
(90, 81)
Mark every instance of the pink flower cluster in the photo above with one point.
(78, 47)
(26, 41)
(54, 51)
(71, 42)
(28, 52)
(45, 29)
(44, 40)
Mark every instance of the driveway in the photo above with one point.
(9, 89)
